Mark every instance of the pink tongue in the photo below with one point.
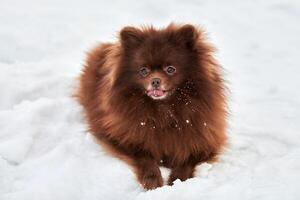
(156, 93)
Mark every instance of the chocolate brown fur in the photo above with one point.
(178, 132)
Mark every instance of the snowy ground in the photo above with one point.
(45, 153)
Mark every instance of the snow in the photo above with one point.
(45, 152)
(143, 123)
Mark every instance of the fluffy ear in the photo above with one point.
(187, 35)
(131, 37)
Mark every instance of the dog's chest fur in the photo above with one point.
(167, 131)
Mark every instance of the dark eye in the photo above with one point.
(144, 71)
(170, 70)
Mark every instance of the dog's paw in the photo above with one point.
(181, 173)
(151, 180)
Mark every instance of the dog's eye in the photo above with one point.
(144, 71)
(170, 70)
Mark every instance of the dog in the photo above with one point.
(156, 97)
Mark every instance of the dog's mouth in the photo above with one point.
(157, 93)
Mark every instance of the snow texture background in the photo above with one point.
(45, 152)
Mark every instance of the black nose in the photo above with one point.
(155, 82)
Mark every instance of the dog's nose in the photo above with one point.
(155, 82)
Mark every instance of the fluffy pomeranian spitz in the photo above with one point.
(156, 97)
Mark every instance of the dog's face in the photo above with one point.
(157, 69)
(157, 62)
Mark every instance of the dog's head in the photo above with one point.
(158, 62)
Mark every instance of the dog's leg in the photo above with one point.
(182, 172)
(187, 169)
(148, 173)
(144, 165)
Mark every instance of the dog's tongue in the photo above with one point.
(155, 92)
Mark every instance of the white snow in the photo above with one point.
(143, 123)
(45, 152)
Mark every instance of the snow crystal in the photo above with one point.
(143, 123)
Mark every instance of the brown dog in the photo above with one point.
(156, 97)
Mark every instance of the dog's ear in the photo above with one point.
(131, 37)
(187, 35)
